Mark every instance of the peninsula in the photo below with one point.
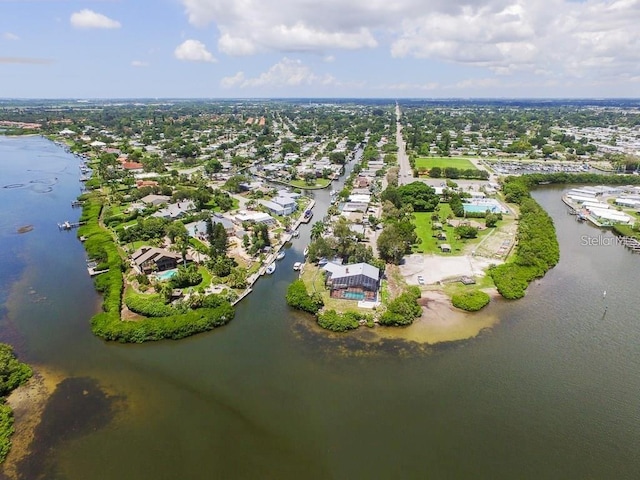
(185, 205)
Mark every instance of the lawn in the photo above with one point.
(206, 277)
(314, 281)
(320, 183)
(427, 243)
(444, 162)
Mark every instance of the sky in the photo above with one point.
(325, 48)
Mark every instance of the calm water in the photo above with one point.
(552, 392)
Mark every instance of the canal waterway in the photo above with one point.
(550, 392)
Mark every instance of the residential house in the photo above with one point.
(175, 210)
(358, 281)
(155, 200)
(153, 259)
(199, 229)
(255, 217)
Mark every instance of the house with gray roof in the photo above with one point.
(357, 281)
(199, 229)
(175, 210)
(155, 200)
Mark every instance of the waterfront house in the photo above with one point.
(358, 281)
(255, 217)
(149, 259)
(199, 229)
(175, 210)
(155, 200)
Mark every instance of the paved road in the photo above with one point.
(405, 174)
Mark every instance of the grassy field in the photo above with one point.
(427, 243)
(443, 162)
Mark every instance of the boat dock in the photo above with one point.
(631, 243)
(69, 225)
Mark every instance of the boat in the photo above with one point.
(271, 268)
(306, 251)
(297, 266)
(296, 234)
(280, 255)
(306, 218)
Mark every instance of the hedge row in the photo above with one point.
(109, 326)
(148, 305)
(537, 250)
(341, 322)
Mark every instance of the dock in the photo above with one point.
(69, 225)
(631, 243)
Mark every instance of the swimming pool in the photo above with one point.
(166, 275)
(353, 295)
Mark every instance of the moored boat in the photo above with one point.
(280, 255)
(271, 268)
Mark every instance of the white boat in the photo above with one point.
(306, 251)
(280, 255)
(297, 265)
(271, 268)
(296, 233)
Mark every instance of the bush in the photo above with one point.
(186, 276)
(110, 327)
(298, 297)
(340, 322)
(403, 309)
(148, 305)
(13, 373)
(471, 301)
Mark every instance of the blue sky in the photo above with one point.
(333, 48)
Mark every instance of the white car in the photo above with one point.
(420, 279)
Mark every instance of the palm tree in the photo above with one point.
(317, 230)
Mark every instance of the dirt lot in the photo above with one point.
(436, 268)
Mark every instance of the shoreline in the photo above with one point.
(28, 402)
(441, 322)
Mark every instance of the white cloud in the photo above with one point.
(193, 51)
(89, 19)
(547, 38)
(10, 36)
(251, 26)
(139, 63)
(286, 73)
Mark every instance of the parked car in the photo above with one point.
(420, 279)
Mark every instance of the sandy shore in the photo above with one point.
(27, 403)
(441, 322)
